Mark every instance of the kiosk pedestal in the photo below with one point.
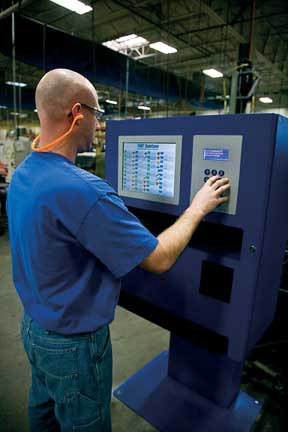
(190, 389)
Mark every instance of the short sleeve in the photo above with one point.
(115, 236)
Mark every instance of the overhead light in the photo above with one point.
(35, 110)
(124, 42)
(131, 40)
(16, 114)
(163, 48)
(112, 102)
(16, 83)
(213, 73)
(3, 107)
(144, 108)
(265, 99)
(74, 5)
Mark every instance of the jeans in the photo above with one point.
(71, 379)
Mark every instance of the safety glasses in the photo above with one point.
(97, 112)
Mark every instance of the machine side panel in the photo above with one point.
(275, 237)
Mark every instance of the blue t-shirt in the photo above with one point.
(72, 239)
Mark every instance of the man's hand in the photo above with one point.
(210, 196)
(174, 239)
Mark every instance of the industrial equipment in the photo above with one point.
(220, 296)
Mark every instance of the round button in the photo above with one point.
(207, 171)
(214, 172)
(221, 173)
(205, 179)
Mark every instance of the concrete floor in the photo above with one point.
(135, 342)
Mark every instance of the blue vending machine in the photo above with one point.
(220, 296)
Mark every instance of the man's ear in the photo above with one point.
(76, 109)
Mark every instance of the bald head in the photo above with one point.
(59, 90)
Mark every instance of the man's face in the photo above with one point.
(89, 125)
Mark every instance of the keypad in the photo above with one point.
(213, 172)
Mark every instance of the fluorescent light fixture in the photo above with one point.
(16, 114)
(16, 83)
(125, 42)
(74, 5)
(213, 73)
(163, 48)
(144, 108)
(3, 107)
(265, 99)
(112, 102)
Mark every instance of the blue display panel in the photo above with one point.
(149, 168)
(215, 154)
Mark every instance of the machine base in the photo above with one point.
(171, 406)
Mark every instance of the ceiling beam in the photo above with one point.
(230, 23)
(158, 25)
(14, 8)
(234, 33)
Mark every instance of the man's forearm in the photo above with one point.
(175, 238)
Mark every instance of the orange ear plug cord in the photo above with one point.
(57, 141)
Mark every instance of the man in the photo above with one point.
(72, 239)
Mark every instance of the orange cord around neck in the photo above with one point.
(57, 141)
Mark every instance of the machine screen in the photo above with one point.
(149, 168)
(215, 154)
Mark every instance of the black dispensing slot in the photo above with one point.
(216, 281)
(209, 237)
(198, 335)
(213, 237)
(155, 222)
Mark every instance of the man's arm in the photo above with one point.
(174, 239)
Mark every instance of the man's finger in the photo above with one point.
(223, 199)
(213, 179)
(220, 182)
(223, 188)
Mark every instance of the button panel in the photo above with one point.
(213, 172)
(221, 155)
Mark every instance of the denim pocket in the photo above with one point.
(102, 365)
(93, 426)
(58, 365)
(102, 343)
(57, 361)
(84, 413)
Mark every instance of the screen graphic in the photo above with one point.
(149, 168)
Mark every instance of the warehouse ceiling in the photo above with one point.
(206, 34)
